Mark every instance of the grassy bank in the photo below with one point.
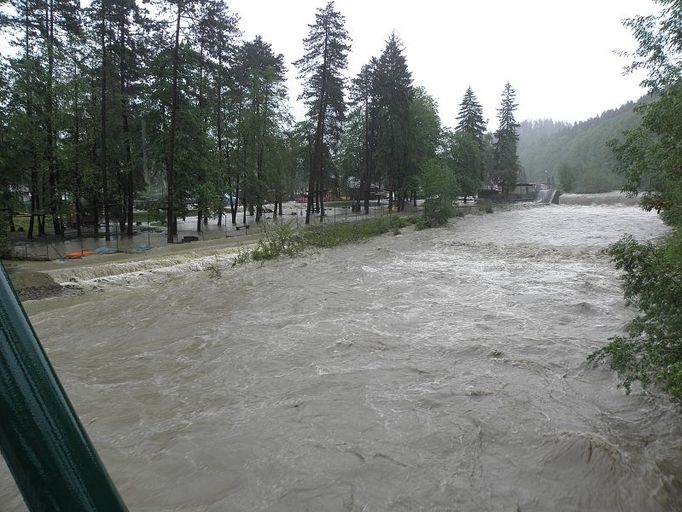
(285, 240)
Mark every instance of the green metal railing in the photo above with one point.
(46, 448)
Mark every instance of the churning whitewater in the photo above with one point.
(436, 370)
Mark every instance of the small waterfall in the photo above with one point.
(547, 196)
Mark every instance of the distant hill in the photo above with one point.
(575, 156)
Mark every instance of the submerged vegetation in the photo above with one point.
(650, 159)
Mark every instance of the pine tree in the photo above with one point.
(506, 164)
(322, 67)
(364, 101)
(470, 118)
(394, 95)
(41, 29)
(262, 81)
(224, 30)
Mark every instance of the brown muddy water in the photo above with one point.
(436, 370)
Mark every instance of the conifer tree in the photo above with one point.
(470, 118)
(394, 94)
(262, 79)
(364, 101)
(41, 29)
(322, 67)
(506, 167)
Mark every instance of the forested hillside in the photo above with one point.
(575, 156)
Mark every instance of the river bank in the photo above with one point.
(34, 280)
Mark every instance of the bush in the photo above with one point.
(440, 189)
(651, 349)
(280, 240)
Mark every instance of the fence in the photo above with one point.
(149, 234)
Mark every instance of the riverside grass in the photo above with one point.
(284, 240)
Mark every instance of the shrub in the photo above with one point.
(651, 349)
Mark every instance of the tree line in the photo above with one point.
(122, 101)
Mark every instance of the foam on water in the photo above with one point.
(127, 272)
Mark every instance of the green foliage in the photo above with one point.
(660, 45)
(651, 350)
(424, 130)
(281, 240)
(650, 157)
(331, 235)
(440, 190)
(322, 67)
(470, 118)
(394, 95)
(465, 154)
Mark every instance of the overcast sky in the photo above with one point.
(557, 54)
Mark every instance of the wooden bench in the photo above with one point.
(243, 226)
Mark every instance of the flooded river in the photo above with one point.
(441, 370)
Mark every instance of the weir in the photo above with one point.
(548, 196)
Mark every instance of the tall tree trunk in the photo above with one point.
(103, 129)
(129, 187)
(77, 137)
(30, 117)
(170, 164)
(365, 182)
(31, 221)
(259, 172)
(95, 211)
(94, 149)
(316, 164)
(53, 196)
(233, 207)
